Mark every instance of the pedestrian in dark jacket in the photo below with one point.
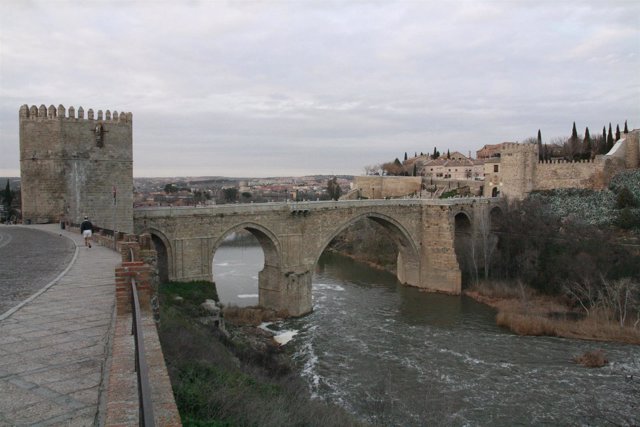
(86, 228)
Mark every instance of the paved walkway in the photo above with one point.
(53, 349)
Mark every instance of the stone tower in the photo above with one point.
(72, 166)
(632, 151)
(518, 163)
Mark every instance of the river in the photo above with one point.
(392, 355)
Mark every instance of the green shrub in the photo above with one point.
(628, 218)
(449, 194)
(626, 199)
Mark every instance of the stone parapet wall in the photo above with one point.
(122, 393)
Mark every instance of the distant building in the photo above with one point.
(491, 150)
(457, 167)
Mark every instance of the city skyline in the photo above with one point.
(287, 89)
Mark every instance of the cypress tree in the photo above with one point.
(602, 149)
(617, 132)
(586, 144)
(626, 129)
(540, 154)
(609, 139)
(405, 156)
(574, 133)
(7, 197)
(448, 154)
(434, 153)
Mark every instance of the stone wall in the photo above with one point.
(520, 171)
(379, 187)
(70, 165)
(562, 174)
(123, 405)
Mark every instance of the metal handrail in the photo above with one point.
(144, 389)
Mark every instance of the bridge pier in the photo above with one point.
(286, 289)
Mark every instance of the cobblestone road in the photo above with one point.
(29, 259)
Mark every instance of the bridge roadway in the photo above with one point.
(293, 235)
(54, 345)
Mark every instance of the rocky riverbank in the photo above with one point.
(232, 373)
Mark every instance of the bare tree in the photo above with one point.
(488, 242)
(621, 296)
(583, 293)
(372, 169)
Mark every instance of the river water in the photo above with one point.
(392, 355)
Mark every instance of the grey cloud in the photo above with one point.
(219, 88)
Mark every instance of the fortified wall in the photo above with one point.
(521, 172)
(380, 187)
(72, 166)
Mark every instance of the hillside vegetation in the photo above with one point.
(239, 379)
(619, 205)
(574, 251)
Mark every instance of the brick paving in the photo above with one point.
(54, 348)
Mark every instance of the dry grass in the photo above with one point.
(525, 312)
(592, 359)
(251, 315)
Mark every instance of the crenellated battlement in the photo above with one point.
(53, 113)
(516, 147)
(559, 161)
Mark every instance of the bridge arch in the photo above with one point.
(463, 243)
(496, 218)
(269, 277)
(267, 239)
(164, 250)
(408, 263)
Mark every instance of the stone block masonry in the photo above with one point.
(293, 236)
(70, 166)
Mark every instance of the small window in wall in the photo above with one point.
(495, 168)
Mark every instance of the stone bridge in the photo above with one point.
(294, 235)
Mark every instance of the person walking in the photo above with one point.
(86, 228)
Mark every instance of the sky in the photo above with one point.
(282, 88)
